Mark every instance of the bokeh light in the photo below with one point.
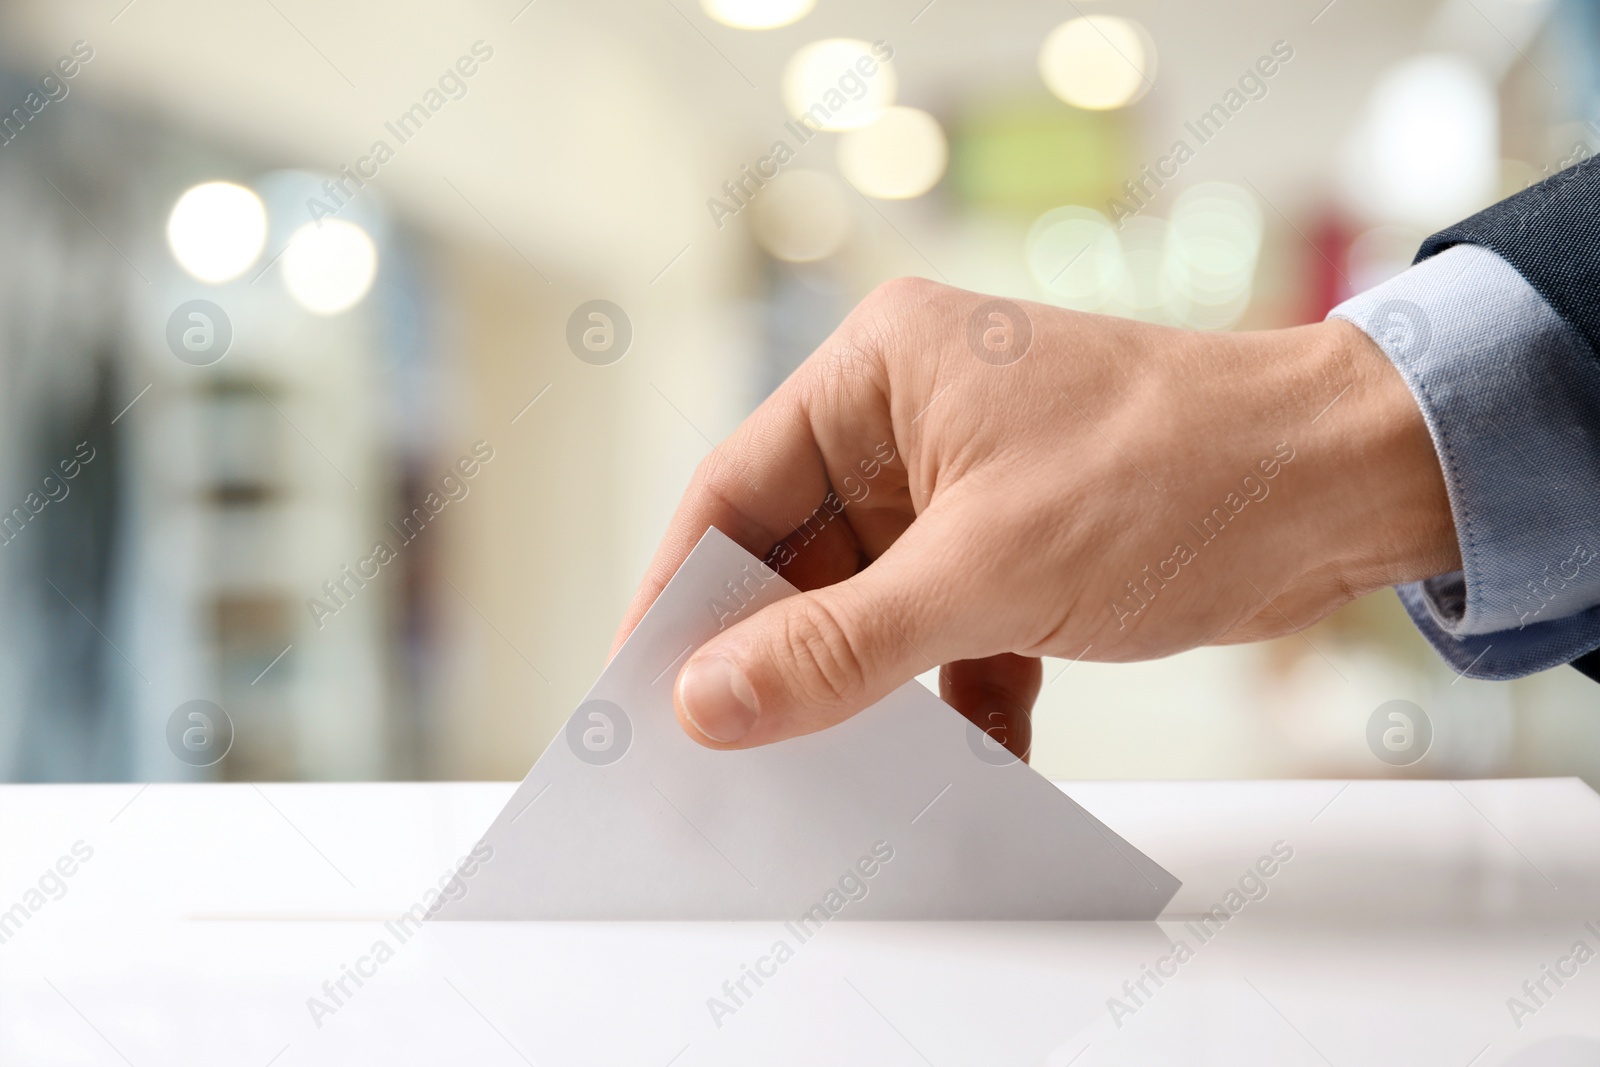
(1098, 62)
(1212, 246)
(1194, 269)
(1146, 290)
(216, 231)
(1075, 258)
(757, 14)
(1426, 151)
(802, 216)
(824, 84)
(1380, 253)
(329, 266)
(901, 155)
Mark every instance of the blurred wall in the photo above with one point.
(576, 165)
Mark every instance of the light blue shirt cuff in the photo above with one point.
(1511, 395)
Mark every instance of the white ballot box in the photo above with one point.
(1404, 923)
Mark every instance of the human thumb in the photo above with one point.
(810, 660)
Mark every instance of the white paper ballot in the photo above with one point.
(906, 811)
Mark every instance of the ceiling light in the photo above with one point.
(329, 266)
(901, 155)
(757, 14)
(837, 84)
(1098, 62)
(217, 230)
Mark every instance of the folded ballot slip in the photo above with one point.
(906, 811)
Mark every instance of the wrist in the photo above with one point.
(1378, 511)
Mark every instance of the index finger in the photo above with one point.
(755, 487)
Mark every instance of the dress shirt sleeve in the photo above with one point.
(1511, 394)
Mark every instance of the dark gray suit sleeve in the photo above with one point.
(1550, 232)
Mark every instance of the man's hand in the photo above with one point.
(1117, 491)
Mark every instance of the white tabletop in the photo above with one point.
(207, 916)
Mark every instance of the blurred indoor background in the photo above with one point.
(392, 344)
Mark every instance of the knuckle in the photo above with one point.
(905, 291)
(851, 364)
(824, 664)
(705, 478)
(875, 331)
(713, 476)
